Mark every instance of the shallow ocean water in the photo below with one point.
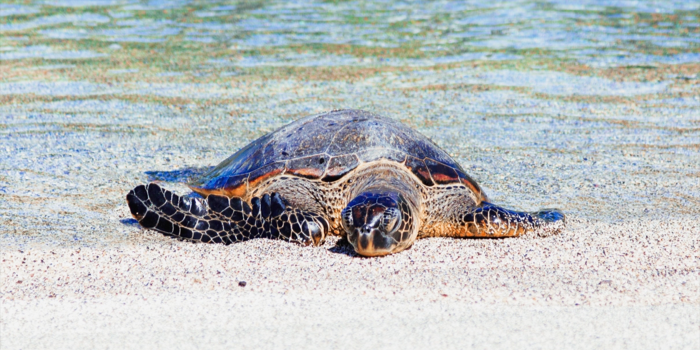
(593, 108)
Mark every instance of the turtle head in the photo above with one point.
(378, 223)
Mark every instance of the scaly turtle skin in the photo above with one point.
(348, 173)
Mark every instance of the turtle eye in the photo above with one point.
(346, 215)
(391, 220)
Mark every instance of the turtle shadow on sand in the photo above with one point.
(130, 222)
(183, 175)
(343, 246)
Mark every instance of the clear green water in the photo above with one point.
(215, 41)
(593, 108)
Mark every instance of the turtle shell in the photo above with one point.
(327, 147)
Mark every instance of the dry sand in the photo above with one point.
(273, 321)
(594, 286)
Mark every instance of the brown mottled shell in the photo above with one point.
(327, 147)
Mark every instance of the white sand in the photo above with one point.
(257, 320)
(594, 286)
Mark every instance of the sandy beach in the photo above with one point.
(575, 290)
(592, 110)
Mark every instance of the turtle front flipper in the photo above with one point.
(489, 220)
(220, 219)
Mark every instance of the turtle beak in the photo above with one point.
(364, 238)
(369, 241)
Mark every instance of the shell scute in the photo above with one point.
(441, 173)
(234, 181)
(364, 132)
(265, 172)
(418, 168)
(309, 167)
(235, 185)
(339, 166)
(307, 140)
(372, 154)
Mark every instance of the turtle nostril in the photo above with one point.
(365, 230)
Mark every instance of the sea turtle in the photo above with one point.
(350, 173)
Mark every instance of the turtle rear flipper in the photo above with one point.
(219, 219)
(489, 220)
